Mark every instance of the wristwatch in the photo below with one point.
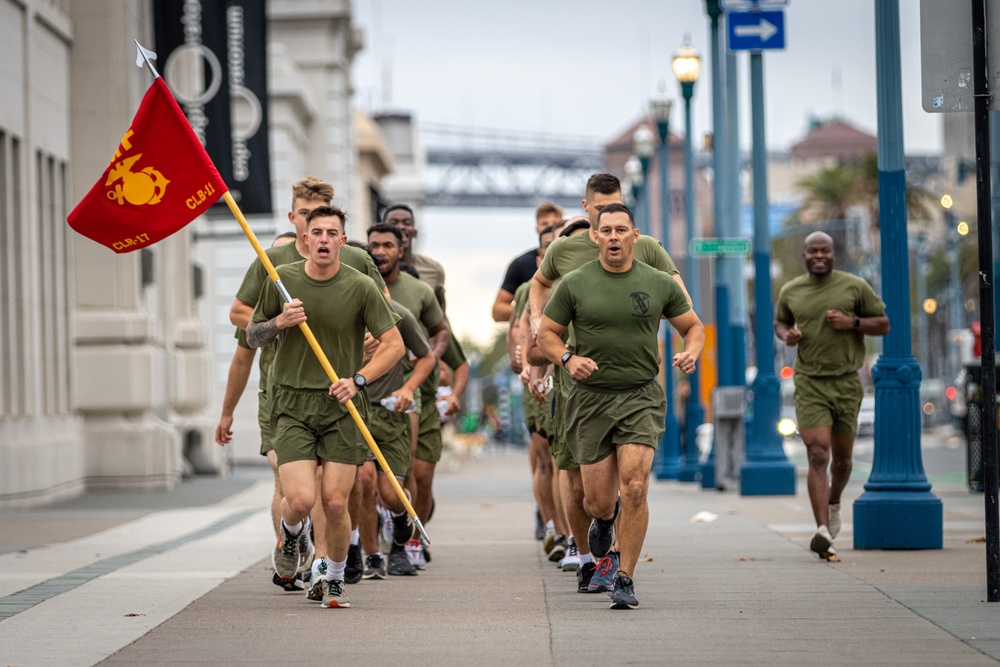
(565, 357)
(359, 380)
(857, 322)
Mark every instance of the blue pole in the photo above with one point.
(694, 414)
(897, 509)
(733, 271)
(670, 443)
(767, 470)
(719, 193)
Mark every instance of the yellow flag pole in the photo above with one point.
(318, 351)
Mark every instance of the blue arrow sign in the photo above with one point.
(754, 31)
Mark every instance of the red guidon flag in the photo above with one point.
(159, 180)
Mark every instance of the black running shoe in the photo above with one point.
(583, 577)
(622, 595)
(558, 550)
(355, 568)
(602, 533)
(399, 565)
(293, 585)
(374, 567)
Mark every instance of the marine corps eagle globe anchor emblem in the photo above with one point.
(136, 187)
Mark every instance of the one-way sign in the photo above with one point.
(754, 31)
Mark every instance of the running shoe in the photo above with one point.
(558, 548)
(315, 591)
(834, 520)
(548, 540)
(539, 525)
(285, 557)
(293, 585)
(602, 533)
(355, 567)
(584, 576)
(399, 563)
(415, 554)
(374, 567)
(604, 576)
(822, 544)
(334, 594)
(306, 549)
(623, 594)
(571, 561)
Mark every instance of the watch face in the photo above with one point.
(360, 380)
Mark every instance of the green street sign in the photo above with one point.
(717, 247)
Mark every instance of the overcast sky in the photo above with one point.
(589, 68)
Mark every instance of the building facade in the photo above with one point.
(112, 366)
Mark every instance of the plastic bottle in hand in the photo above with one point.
(389, 403)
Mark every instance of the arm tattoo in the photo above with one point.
(260, 334)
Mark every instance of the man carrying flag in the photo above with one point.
(308, 420)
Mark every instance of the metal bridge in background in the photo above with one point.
(499, 168)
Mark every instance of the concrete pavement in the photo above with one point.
(185, 578)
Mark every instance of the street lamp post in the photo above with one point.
(897, 509)
(643, 145)
(719, 172)
(670, 442)
(687, 67)
(767, 470)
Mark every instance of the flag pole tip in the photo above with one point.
(144, 56)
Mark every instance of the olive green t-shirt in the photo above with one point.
(823, 351)
(616, 317)
(571, 252)
(415, 341)
(431, 272)
(520, 300)
(419, 298)
(256, 277)
(454, 355)
(338, 311)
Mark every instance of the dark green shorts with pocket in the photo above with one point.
(429, 442)
(310, 425)
(391, 431)
(828, 401)
(598, 419)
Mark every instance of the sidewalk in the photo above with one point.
(742, 589)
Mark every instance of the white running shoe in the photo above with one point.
(822, 544)
(572, 560)
(415, 554)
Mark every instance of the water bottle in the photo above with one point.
(389, 403)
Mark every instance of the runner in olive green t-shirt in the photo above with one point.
(617, 407)
(563, 256)
(827, 313)
(385, 245)
(391, 430)
(306, 424)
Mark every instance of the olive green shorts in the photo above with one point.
(599, 419)
(391, 431)
(311, 425)
(828, 401)
(562, 451)
(264, 421)
(429, 442)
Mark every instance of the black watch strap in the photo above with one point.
(565, 357)
(359, 380)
